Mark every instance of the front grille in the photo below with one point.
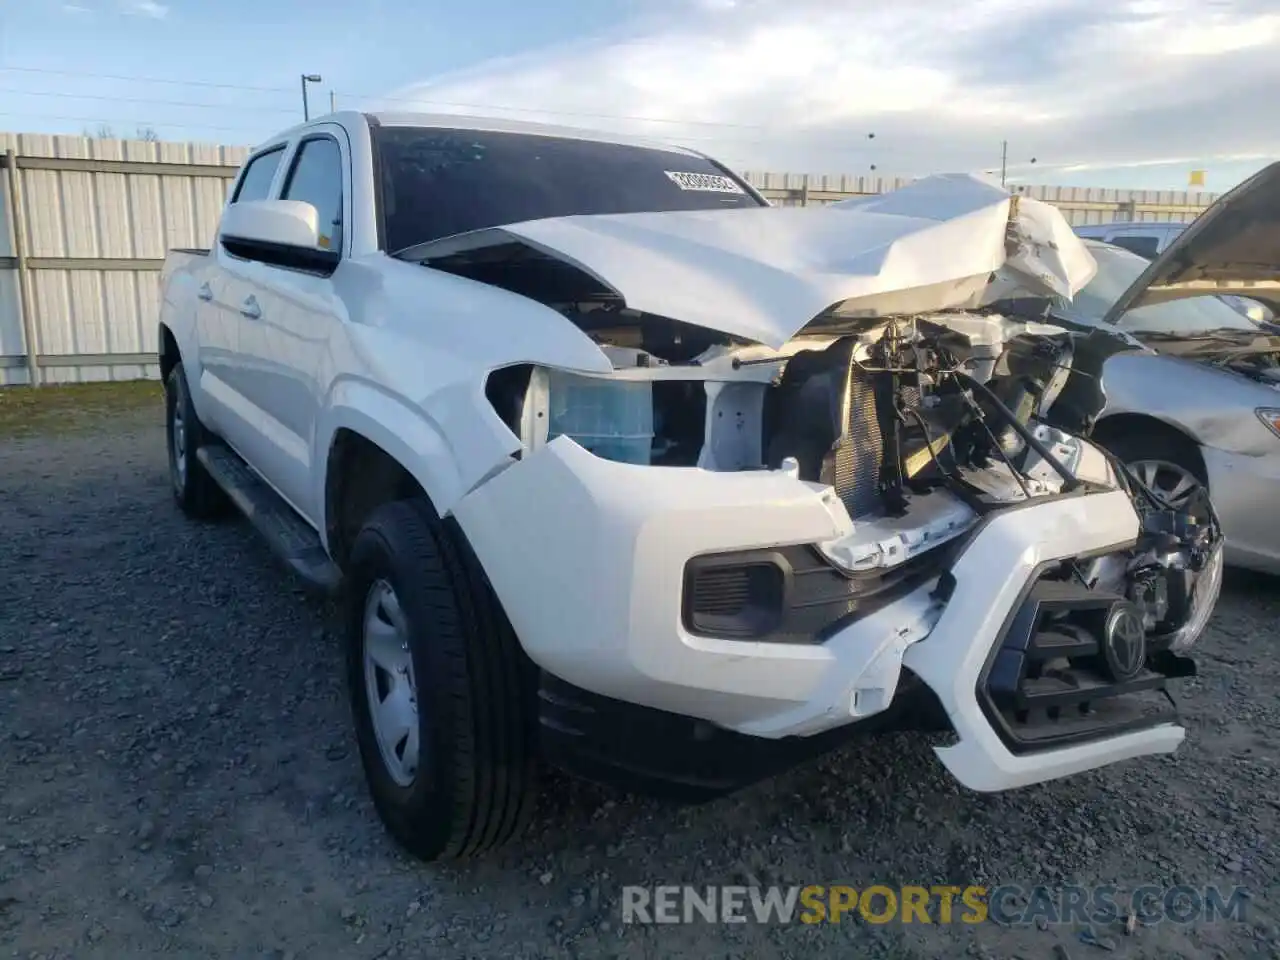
(1049, 682)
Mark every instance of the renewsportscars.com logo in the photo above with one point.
(1008, 905)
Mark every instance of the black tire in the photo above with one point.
(196, 492)
(1139, 443)
(476, 778)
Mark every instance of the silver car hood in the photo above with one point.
(763, 274)
(1233, 248)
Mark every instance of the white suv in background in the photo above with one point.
(1147, 240)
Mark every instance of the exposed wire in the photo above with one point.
(1069, 480)
(995, 445)
(928, 439)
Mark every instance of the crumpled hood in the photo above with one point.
(1043, 255)
(764, 274)
(1233, 248)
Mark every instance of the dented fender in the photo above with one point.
(1214, 407)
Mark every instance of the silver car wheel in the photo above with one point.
(390, 686)
(178, 429)
(1173, 483)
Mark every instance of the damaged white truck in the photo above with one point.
(618, 467)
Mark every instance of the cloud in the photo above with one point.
(75, 9)
(800, 84)
(144, 8)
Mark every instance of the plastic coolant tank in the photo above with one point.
(611, 418)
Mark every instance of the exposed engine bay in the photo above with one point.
(919, 426)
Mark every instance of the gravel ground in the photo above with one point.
(179, 777)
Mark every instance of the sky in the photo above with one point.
(1108, 93)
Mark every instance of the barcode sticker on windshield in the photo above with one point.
(703, 181)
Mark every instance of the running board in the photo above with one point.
(286, 533)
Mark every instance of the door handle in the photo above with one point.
(205, 292)
(250, 309)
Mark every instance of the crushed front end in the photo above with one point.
(762, 546)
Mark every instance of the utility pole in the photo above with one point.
(1004, 161)
(308, 78)
(333, 104)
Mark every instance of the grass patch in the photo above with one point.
(72, 407)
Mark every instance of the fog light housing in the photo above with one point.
(726, 597)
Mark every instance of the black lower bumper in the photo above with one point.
(652, 752)
(1062, 673)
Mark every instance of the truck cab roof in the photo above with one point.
(354, 119)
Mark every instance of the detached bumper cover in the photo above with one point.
(589, 556)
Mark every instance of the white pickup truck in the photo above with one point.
(618, 467)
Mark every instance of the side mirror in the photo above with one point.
(284, 233)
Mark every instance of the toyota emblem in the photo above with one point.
(1124, 644)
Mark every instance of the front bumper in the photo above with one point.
(1242, 488)
(588, 557)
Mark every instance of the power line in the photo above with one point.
(122, 120)
(673, 141)
(413, 100)
(187, 104)
(130, 79)
(146, 100)
(376, 99)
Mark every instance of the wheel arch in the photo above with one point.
(170, 354)
(1116, 428)
(360, 476)
(177, 345)
(446, 449)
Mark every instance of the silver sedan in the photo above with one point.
(1192, 387)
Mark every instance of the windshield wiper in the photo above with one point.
(1220, 335)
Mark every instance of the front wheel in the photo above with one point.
(1169, 466)
(441, 693)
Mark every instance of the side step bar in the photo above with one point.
(286, 533)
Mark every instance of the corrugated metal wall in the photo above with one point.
(93, 219)
(1080, 205)
(93, 238)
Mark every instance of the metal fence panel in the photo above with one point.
(97, 217)
(12, 343)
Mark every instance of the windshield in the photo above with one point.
(1118, 269)
(441, 182)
